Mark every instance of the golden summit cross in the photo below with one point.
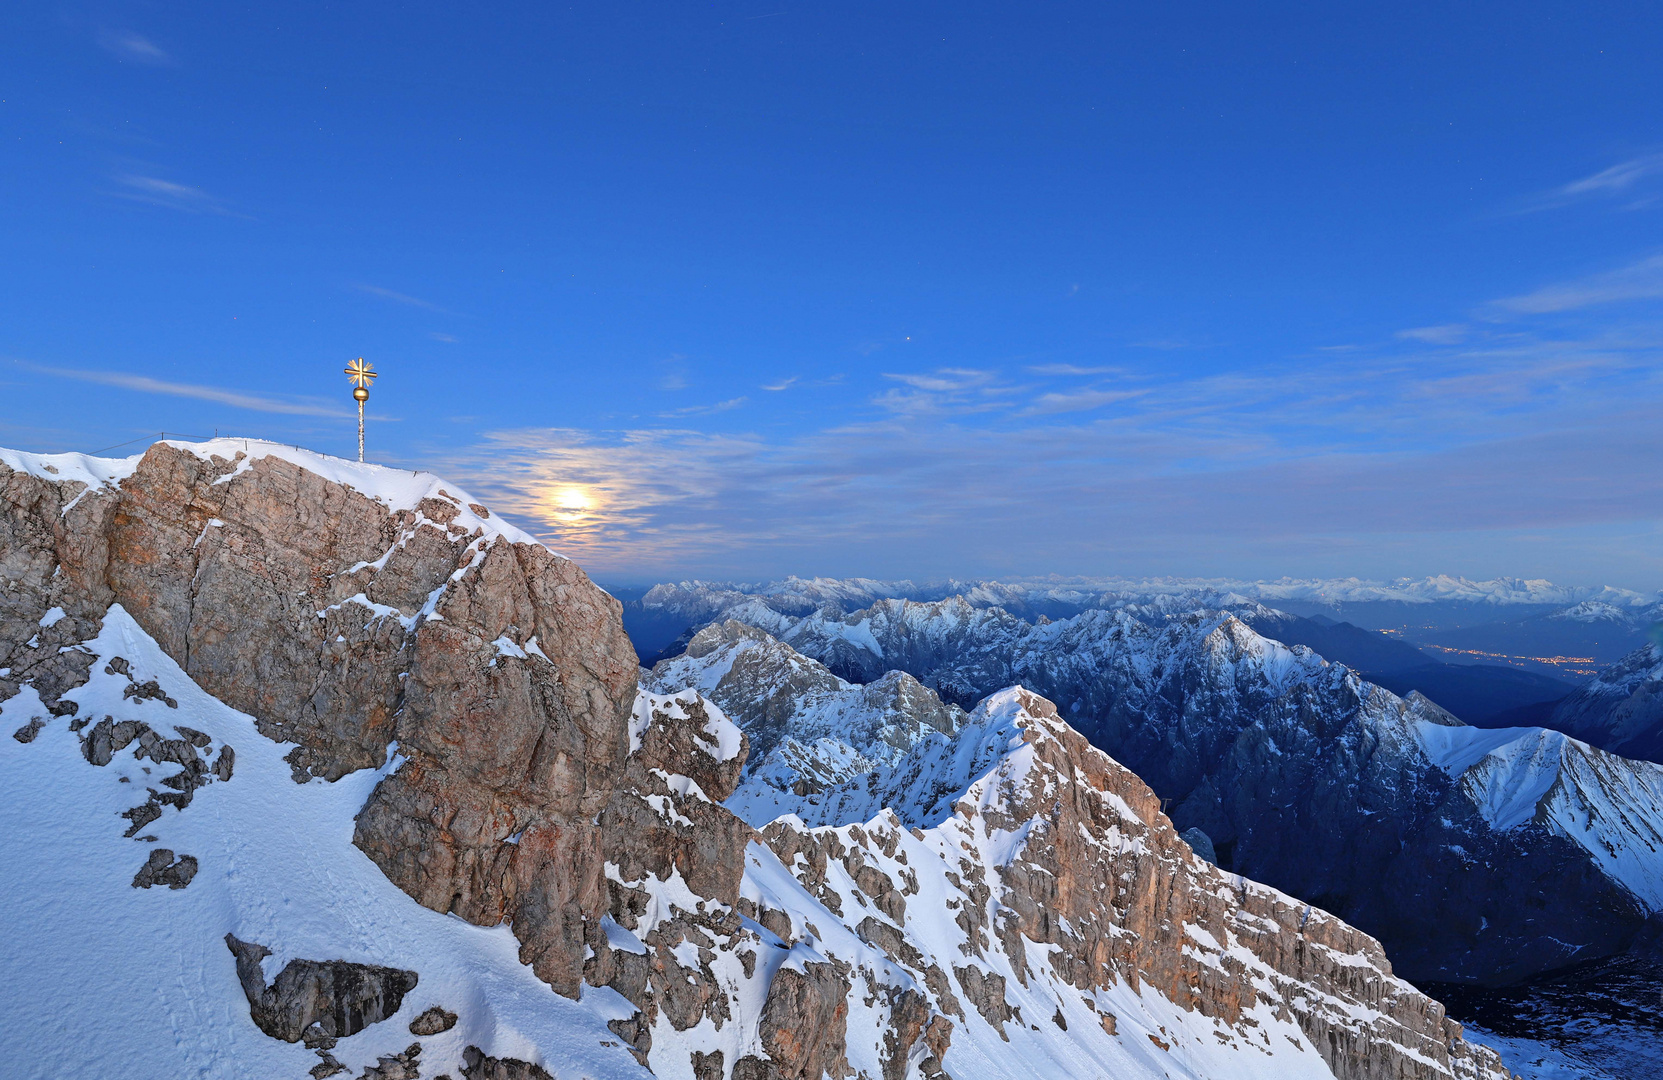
(360, 375)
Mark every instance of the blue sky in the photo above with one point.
(925, 289)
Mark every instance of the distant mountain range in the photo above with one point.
(1564, 632)
(1475, 855)
(1515, 656)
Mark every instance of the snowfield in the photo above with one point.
(143, 976)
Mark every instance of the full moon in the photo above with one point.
(572, 499)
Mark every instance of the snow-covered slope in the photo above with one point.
(1305, 775)
(808, 728)
(534, 876)
(274, 864)
(1621, 709)
(139, 982)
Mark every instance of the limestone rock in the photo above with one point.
(161, 869)
(345, 610)
(314, 1001)
(478, 1066)
(804, 1022)
(405, 1065)
(433, 1021)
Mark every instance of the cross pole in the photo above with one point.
(360, 375)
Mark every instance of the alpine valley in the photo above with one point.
(316, 768)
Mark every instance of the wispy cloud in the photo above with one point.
(944, 380)
(135, 47)
(675, 375)
(1077, 401)
(1074, 369)
(783, 384)
(699, 410)
(446, 338)
(155, 191)
(1625, 182)
(1502, 431)
(1448, 334)
(1620, 177)
(1642, 280)
(400, 298)
(221, 395)
(955, 390)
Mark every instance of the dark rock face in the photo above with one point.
(161, 869)
(318, 1002)
(433, 1021)
(1200, 843)
(1621, 710)
(27, 733)
(401, 1066)
(478, 1066)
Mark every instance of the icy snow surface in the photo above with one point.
(1610, 806)
(143, 977)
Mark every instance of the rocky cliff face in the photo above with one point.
(1385, 810)
(1074, 916)
(347, 611)
(809, 730)
(402, 672)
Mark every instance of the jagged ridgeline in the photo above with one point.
(319, 768)
(1476, 855)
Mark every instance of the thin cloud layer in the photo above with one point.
(239, 399)
(1509, 433)
(136, 47)
(400, 298)
(1631, 184)
(155, 191)
(1642, 280)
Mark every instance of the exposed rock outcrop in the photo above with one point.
(433, 1021)
(161, 869)
(479, 1066)
(317, 1002)
(346, 610)
(405, 1065)
(1385, 810)
(804, 1025)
